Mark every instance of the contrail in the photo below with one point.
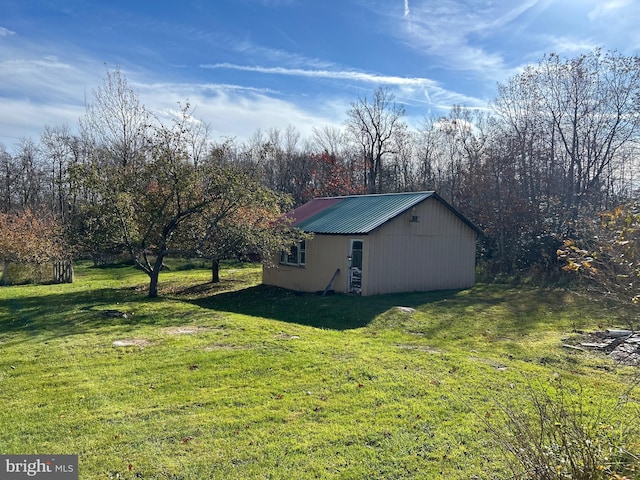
(406, 8)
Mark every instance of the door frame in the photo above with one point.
(354, 277)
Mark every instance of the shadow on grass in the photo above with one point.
(496, 307)
(63, 314)
(499, 311)
(334, 311)
(470, 311)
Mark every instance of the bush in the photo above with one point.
(24, 273)
(555, 436)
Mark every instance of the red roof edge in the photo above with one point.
(311, 208)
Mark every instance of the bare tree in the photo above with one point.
(450, 152)
(198, 138)
(401, 169)
(572, 118)
(29, 176)
(60, 152)
(7, 180)
(372, 126)
(329, 138)
(116, 121)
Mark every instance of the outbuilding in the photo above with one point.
(376, 244)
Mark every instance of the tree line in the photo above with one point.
(557, 146)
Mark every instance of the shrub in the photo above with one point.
(559, 435)
(24, 273)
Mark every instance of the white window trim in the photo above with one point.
(301, 256)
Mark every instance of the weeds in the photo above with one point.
(559, 434)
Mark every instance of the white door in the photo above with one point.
(355, 267)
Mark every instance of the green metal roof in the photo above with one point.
(360, 214)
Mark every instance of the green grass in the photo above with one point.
(239, 380)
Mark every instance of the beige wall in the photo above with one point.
(325, 254)
(436, 252)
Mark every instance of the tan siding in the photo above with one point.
(437, 252)
(325, 254)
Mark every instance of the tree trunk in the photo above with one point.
(154, 274)
(153, 284)
(215, 271)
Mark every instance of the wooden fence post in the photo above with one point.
(63, 271)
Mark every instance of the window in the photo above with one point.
(297, 255)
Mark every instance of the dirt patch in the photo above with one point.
(286, 336)
(132, 342)
(419, 348)
(226, 346)
(501, 367)
(405, 309)
(185, 330)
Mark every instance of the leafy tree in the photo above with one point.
(606, 252)
(167, 204)
(154, 203)
(243, 222)
(29, 238)
(329, 177)
(96, 231)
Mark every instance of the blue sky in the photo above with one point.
(258, 64)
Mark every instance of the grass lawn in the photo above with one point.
(239, 381)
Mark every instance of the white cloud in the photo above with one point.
(608, 8)
(231, 111)
(50, 91)
(338, 75)
(412, 91)
(22, 118)
(567, 45)
(443, 28)
(5, 32)
(452, 32)
(47, 78)
(234, 111)
(406, 8)
(37, 89)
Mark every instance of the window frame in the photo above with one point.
(296, 257)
